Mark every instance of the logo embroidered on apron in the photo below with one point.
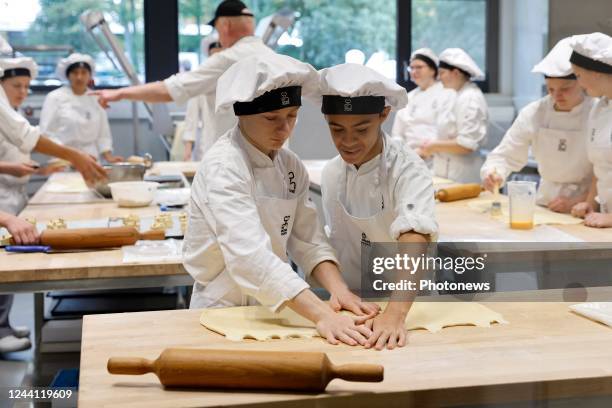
(364, 240)
(292, 185)
(285, 225)
(562, 145)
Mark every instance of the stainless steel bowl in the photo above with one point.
(120, 172)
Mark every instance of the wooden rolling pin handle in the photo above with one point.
(358, 372)
(129, 365)
(153, 235)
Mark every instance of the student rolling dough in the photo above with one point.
(555, 128)
(456, 156)
(429, 113)
(250, 207)
(377, 189)
(592, 63)
(75, 118)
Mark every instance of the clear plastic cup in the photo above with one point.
(522, 195)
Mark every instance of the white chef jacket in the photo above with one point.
(15, 129)
(389, 195)
(558, 142)
(599, 149)
(77, 121)
(471, 115)
(429, 113)
(17, 139)
(408, 180)
(226, 249)
(203, 81)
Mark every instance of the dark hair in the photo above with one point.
(80, 64)
(430, 63)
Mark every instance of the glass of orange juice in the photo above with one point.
(522, 195)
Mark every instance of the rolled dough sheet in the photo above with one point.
(441, 180)
(257, 322)
(542, 216)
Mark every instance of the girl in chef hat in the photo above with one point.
(72, 116)
(554, 128)
(456, 153)
(591, 60)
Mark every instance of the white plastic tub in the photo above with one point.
(133, 193)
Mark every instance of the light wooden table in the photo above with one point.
(458, 222)
(546, 352)
(90, 270)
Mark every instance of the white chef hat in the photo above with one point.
(452, 58)
(265, 83)
(354, 89)
(22, 66)
(556, 63)
(75, 60)
(428, 54)
(592, 52)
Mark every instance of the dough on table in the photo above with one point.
(257, 322)
(67, 185)
(441, 180)
(541, 215)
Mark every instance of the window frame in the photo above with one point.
(404, 45)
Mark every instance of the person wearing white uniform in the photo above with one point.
(592, 63)
(429, 113)
(235, 24)
(456, 156)
(18, 138)
(194, 115)
(74, 118)
(250, 207)
(555, 128)
(376, 189)
(15, 338)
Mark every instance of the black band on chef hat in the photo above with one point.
(570, 76)
(427, 61)
(446, 65)
(270, 101)
(358, 105)
(590, 64)
(80, 64)
(16, 72)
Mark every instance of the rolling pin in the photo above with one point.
(242, 369)
(458, 192)
(85, 238)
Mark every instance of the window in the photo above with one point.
(440, 24)
(48, 30)
(322, 35)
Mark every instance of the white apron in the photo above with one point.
(348, 234)
(13, 190)
(277, 216)
(562, 163)
(599, 148)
